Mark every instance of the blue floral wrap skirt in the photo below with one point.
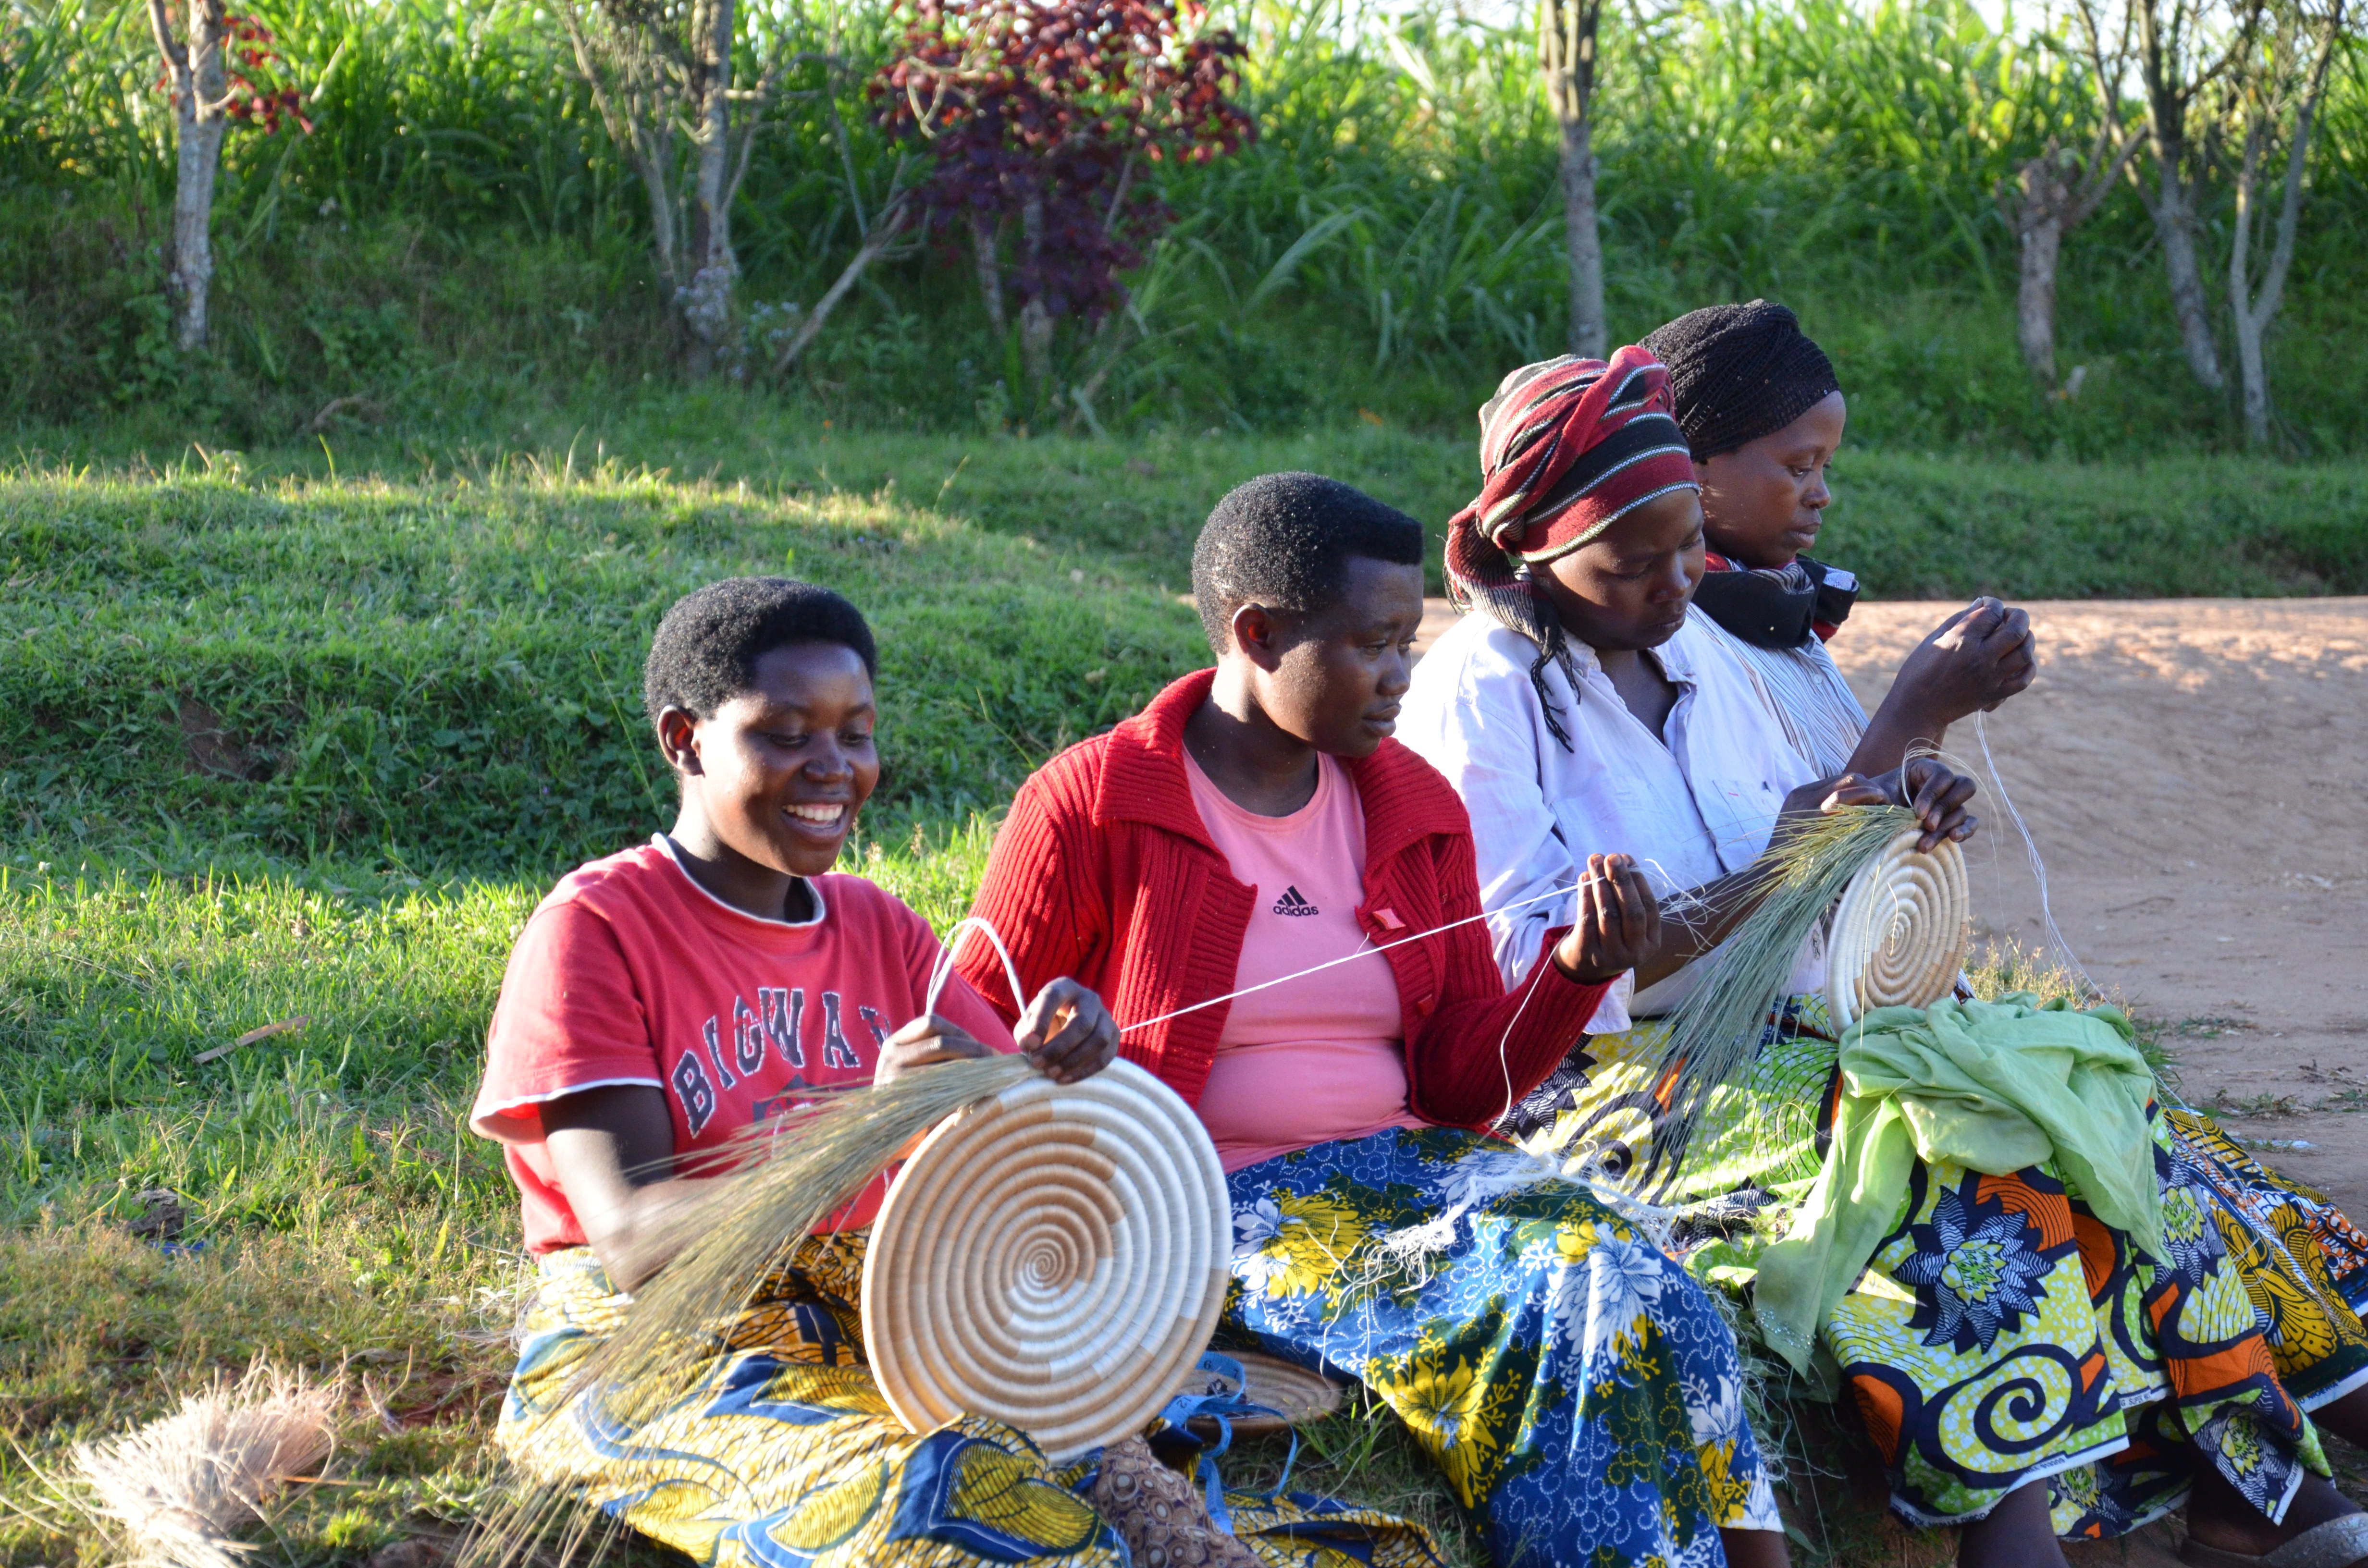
(1579, 1391)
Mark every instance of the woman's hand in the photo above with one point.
(1935, 794)
(1975, 660)
(1619, 923)
(925, 1042)
(1067, 1032)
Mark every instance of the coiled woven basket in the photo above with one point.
(1052, 1257)
(1901, 932)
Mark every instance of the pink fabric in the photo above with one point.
(1316, 1058)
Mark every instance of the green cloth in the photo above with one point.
(1993, 1086)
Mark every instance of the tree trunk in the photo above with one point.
(1035, 321)
(604, 59)
(192, 281)
(990, 275)
(1583, 238)
(2042, 243)
(2054, 194)
(2253, 376)
(2172, 205)
(655, 164)
(1036, 346)
(707, 303)
(1566, 34)
(2174, 223)
(194, 70)
(2255, 310)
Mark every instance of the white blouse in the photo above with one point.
(1691, 810)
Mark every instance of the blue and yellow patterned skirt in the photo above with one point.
(781, 1453)
(2002, 1335)
(1579, 1391)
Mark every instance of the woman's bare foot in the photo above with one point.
(2346, 1418)
(2018, 1533)
(2218, 1516)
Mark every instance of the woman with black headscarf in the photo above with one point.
(1762, 413)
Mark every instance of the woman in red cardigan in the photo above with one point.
(1256, 821)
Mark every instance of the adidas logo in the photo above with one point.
(1291, 902)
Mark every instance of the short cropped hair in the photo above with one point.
(1284, 540)
(706, 649)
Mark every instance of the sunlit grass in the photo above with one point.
(338, 1215)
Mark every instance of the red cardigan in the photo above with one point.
(1103, 871)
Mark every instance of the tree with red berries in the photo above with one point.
(216, 70)
(1043, 117)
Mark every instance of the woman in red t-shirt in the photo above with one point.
(668, 995)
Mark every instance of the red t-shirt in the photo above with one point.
(629, 973)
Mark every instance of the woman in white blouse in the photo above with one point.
(2026, 1373)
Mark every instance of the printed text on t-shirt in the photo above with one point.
(776, 1024)
(1293, 901)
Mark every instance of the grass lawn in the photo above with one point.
(279, 749)
(1911, 525)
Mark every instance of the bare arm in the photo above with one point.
(1971, 662)
(612, 1149)
(612, 1155)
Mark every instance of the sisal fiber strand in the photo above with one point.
(775, 1183)
(181, 1488)
(1716, 1029)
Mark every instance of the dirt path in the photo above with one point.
(2195, 774)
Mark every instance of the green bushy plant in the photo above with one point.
(1389, 245)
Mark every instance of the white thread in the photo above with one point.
(1334, 963)
(1472, 1183)
(949, 948)
(1657, 1222)
(2038, 867)
(1505, 1040)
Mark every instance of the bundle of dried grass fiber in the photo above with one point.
(1716, 1029)
(180, 1488)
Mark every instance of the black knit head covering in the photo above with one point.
(1738, 372)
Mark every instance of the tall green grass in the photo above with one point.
(457, 244)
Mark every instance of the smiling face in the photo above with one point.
(1343, 668)
(778, 774)
(1764, 502)
(1628, 588)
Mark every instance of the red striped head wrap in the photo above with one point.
(1567, 448)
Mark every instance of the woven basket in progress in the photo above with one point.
(1052, 1257)
(1294, 1395)
(1901, 932)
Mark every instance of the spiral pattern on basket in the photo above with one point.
(1901, 932)
(1052, 1257)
